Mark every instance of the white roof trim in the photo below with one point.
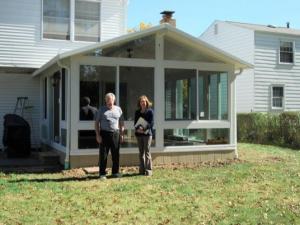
(218, 53)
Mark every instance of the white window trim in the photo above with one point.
(72, 23)
(286, 63)
(271, 98)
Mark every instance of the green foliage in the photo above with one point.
(266, 128)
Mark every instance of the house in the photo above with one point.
(34, 31)
(191, 83)
(273, 84)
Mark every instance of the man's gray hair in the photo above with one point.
(110, 95)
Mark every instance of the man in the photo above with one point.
(109, 127)
(87, 112)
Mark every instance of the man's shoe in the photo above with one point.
(116, 175)
(148, 173)
(102, 177)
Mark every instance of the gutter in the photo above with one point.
(238, 73)
(68, 144)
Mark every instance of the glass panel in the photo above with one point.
(223, 96)
(213, 95)
(95, 82)
(130, 140)
(286, 52)
(63, 136)
(87, 21)
(45, 97)
(143, 48)
(87, 139)
(175, 50)
(277, 97)
(180, 94)
(134, 82)
(182, 137)
(63, 95)
(56, 19)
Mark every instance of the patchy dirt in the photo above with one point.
(74, 173)
(273, 159)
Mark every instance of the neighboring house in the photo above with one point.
(34, 31)
(191, 83)
(273, 85)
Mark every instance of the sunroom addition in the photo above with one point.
(190, 83)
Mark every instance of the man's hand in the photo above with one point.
(122, 138)
(99, 139)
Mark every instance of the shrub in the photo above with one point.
(269, 128)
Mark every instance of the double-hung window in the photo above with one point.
(59, 22)
(286, 52)
(56, 19)
(87, 20)
(277, 95)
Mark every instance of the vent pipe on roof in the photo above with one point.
(167, 18)
(287, 24)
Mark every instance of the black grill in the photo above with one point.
(16, 136)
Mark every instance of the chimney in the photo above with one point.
(287, 24)
(167, 18)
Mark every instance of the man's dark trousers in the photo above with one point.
(110, 141)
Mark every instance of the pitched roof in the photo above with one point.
(201, 46)
(266, 28)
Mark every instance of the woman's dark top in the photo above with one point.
(149, 117)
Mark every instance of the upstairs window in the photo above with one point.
(81, 25)
(277, 97)
(286, 52)
(87, 20)
(56, 19)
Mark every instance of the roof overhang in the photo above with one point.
(161, 29)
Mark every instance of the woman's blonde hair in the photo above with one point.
(149, 104)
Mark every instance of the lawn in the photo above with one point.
(262, 187)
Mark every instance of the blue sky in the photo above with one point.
(194, 16)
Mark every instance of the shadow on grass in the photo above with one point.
(68, 179)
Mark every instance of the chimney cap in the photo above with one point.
(167, 13)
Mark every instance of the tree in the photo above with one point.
(142, 26)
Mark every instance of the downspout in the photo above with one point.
(236, 154)
(67, 157)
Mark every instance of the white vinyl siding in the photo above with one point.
(268, 72)
(21, 42)
(240, 43)
(21, 85)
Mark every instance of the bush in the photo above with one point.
(268, 128)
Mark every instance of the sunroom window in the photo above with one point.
(95, 82)
(286, 52)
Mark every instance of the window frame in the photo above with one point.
(72, 23)
(272, 97)
(279, 52)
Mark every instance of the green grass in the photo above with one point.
(263, 187)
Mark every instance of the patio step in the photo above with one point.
(38, 162)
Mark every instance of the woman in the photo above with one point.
(143, 121)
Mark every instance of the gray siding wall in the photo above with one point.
(268, 71)
(240, 43)
(21, 42)
(16, 85)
